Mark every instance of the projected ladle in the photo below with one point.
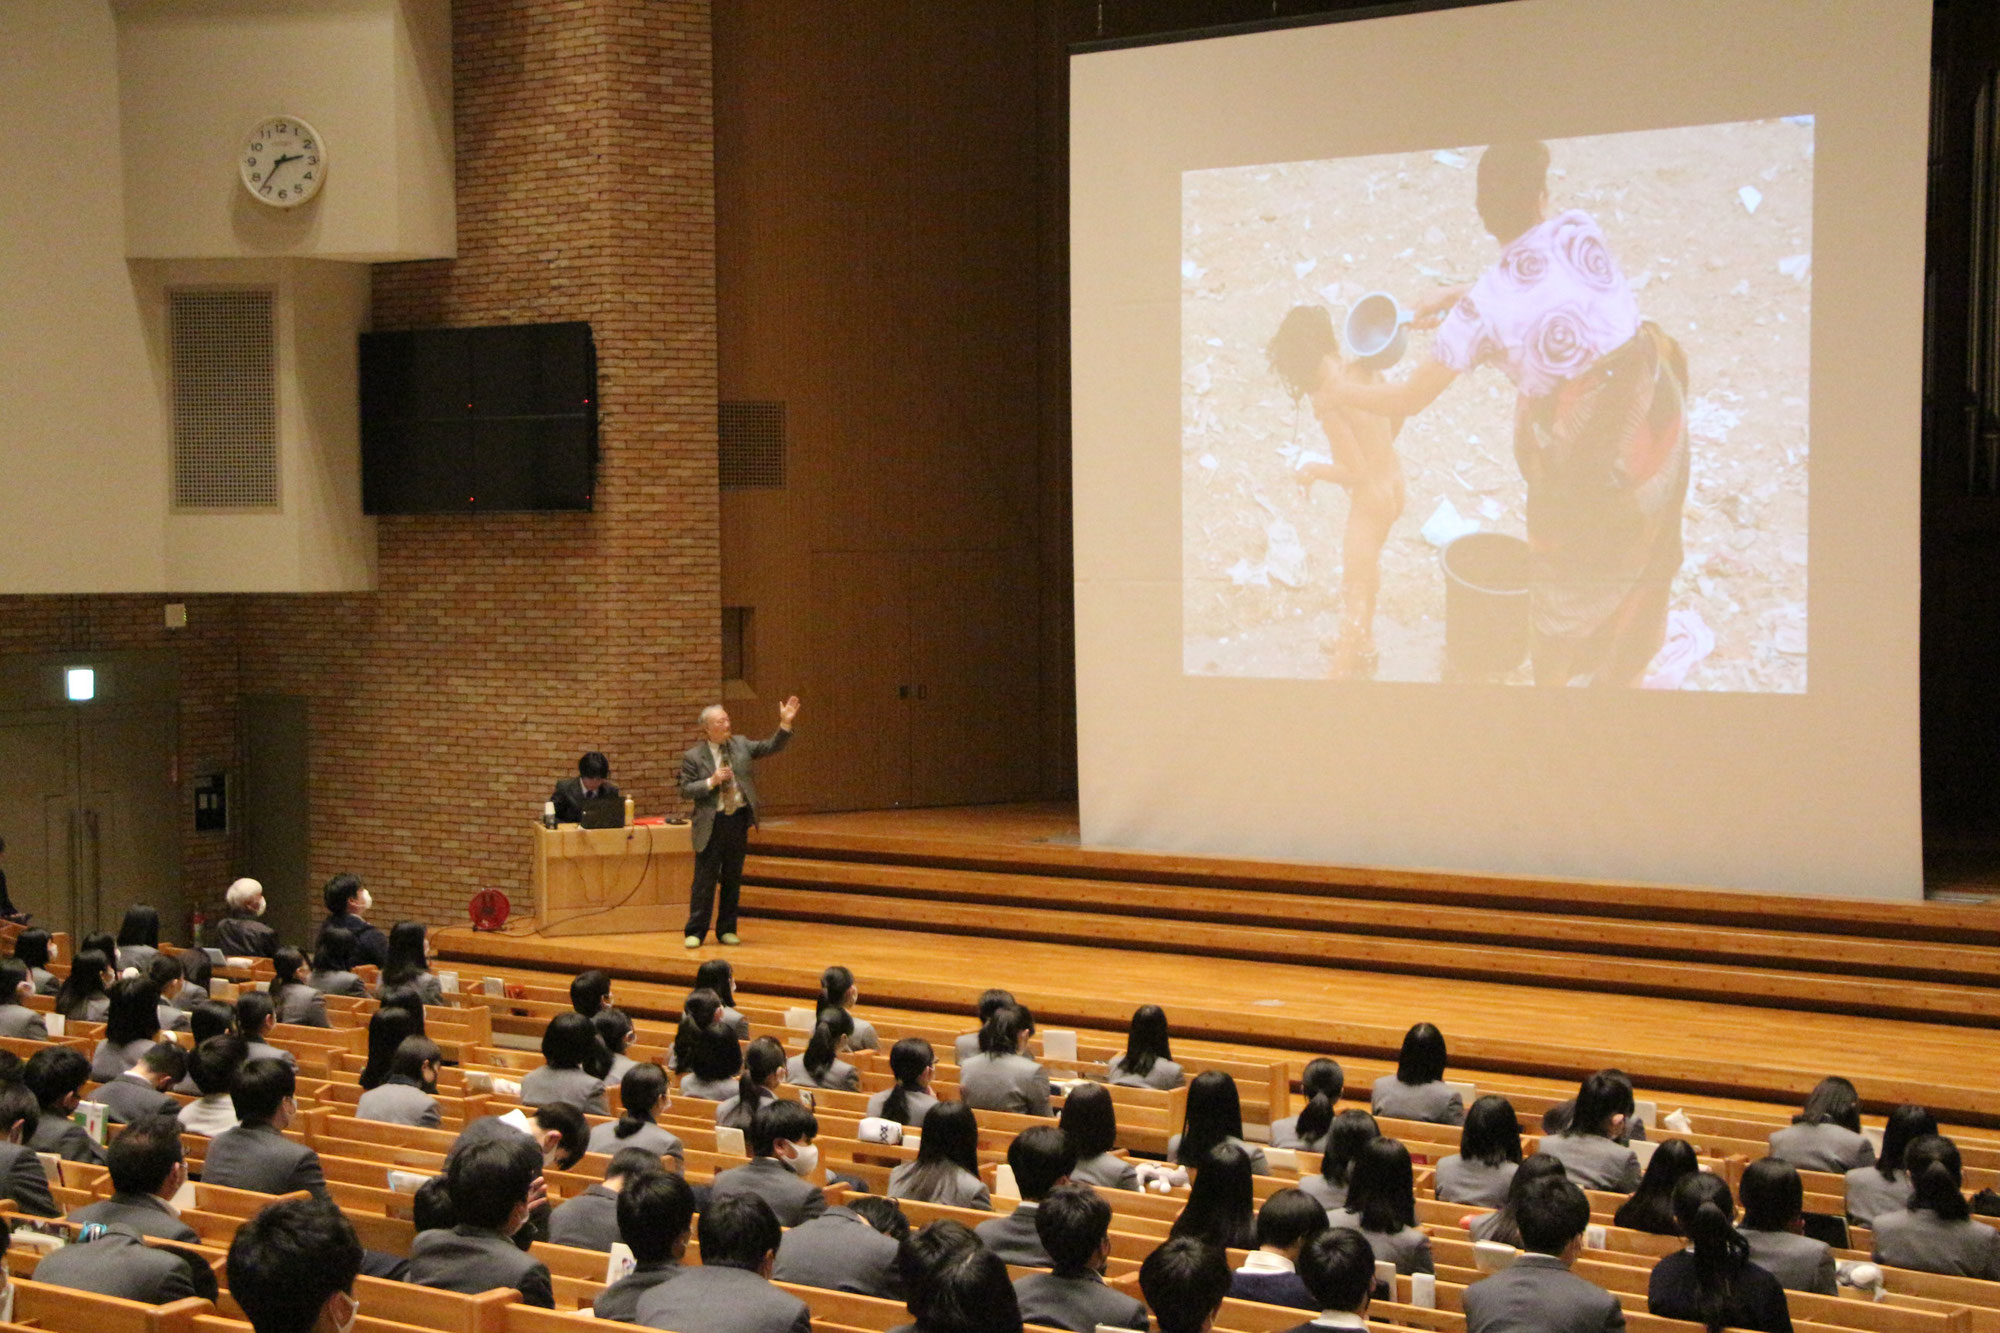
(1376, 332)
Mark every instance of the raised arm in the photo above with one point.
(1406, 399)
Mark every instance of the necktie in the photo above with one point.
(732, 799)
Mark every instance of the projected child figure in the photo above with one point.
(1600, 427)
(1306, 355)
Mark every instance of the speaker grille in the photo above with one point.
(225, 400)
(753, 446)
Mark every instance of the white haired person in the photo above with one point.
(716, 776)
(240, 934)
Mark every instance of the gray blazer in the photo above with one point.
(399, 1101)
(1918, 1238)
(1537, 1294)
(587, 1222)
(841, 1251)
(1004, 1083)
(718, 1090)
(1408, 1249)
(1259, 1166)
(258, 1157)
(108, 1062)
(120, 1264)
(1437, 1102)
(57, 1133)
(697, 766)
(139, 956)
(1460, 1181)
(1822, 1147)
(1165, 1075)
(1080, 1303)
(18, 1020)
(1800, 1263)
(734, 1021)
(864, 1038)
(264, 1050)
(604, 1138)
(1285, 1134)
(917, 1104)
(1323, 1191)
(338, 983)
(173, 1018)
(578, 1087)
(962, 1189)
(964, 1046)
(793, 1198)
(46, 982)
(301, 1005)
(1014, 1238)
(840, 1075)
(1107, 1170)
(620, 1300)
(1594, 1162)
(126, 1099)
(23, 1180)
(473, 1259)
(145, 1214)
(723, 1300)
(1870, 1194)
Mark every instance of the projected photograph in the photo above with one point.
(1521, 413)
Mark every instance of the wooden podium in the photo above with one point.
(612, 880)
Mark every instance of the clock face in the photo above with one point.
(283, 162)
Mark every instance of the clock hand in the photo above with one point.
(279, 163)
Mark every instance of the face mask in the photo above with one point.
(353, 1313)
(260, 907)
(805, 1160)
(364, 902)
(7, 1304)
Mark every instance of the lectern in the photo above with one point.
(612, 880)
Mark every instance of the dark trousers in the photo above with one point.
(722, 859)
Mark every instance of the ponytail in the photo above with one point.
(764, 1057)
(834, 1026)
(697, 1012)
(1323, 1081)
(908, 1059)
(640, 1091)
(1702, 1208)
(285, 966)
(1936, 1177)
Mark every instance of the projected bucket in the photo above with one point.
(1485, 603)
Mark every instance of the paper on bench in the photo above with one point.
(1424, 1290)
(54, 1024)
(1595, 1237)
(1874, 1136)
(1491, 1256)
(801, 1020)
(1646, 1113)
(51, 1166)
(448, 982)
(1282, 1159)
(1643, 1149)
(1059, 1045)
(185, 1197)
(1468, 1093)
(493, 985)
(1385, 1275)
(508, 1088)
(620, 1263)
(729, 1139)
(517, 1118)
(478, 1080)
(1004, 1184)
(407, 1182)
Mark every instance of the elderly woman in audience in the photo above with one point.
(716, 975)
(1147, 1061)
(911, 1063)
(1826, 1133)
(409, 1095)
(1323, 1081)
(1214, 1116)
(1222, 1200)
(572, 1068)
(240, 934)
(333, 963)
(1382, 1206)
(1651, 1207)
(296, 1002)
(1090, 1123)
(131, 1026)
(820, 1065)
(1774, 1224)
(1884, 1186)
(1001, 1077)
(642, 1092)
(838, 991)
(1350, 1132)
(1417, 1090)
(83, 994)
(1936, 1233)
(1590, 1147)
(1489, 1152)
(1713, 1281)
(409, 962)
(1504, 1226)
(946, 1167)
(763, 1074)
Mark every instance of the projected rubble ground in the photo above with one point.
(1711, 226)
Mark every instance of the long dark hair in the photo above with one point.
(1506, 1228)
(135, 1011)
(640, 1092)
(140, 926)
(834, 983)
(716, 975)
(1423, 1056)
(1146, 1041)
(1089, 1121)
(570, 1042)
(388, 1026)
(101, 941)
(286, 964)
(908, 1059)
(1492, 1132)
(32, 947)
(1936, 1178)
(1832, 1101)
(1350, 1132)
(763, 1058)
(1214, 1115)
(1907, 1124)
(697, 1014)
(335, 950)
(1703, 1208)
(1221, 1207)
(406, 961)
(1381, 1187)
(950, 1145)
(84, 983)
(1602, 1097)
(1651, 1207)
(1001, 1033)
(1305, 337)
(1323, 1081)
(823, 1047)
(613, 1027)
(715, 1054)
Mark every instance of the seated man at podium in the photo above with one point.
(591, 783)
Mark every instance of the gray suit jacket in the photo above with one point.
(1004, 1083)
(1800, 1263)
(697, 766)
(1594, 1162)
(119, 1264)
(126, 1099)
(1460, 1181)
(1536, 1294)
(108, 1062)
(964, 1046)
(722, 1300)
(1014, 1238)
(1260, 1165)
(604, 1138)
(1323, 1191)
(400, 1101)
(961, 1189)
(18, 1020)
(793, 1198)
(302, 1006)
(338, 983)
(65, 1138)
(917, 1103)
(141, 1213)
(1438, 1102)
(1078, 1303)
(840, 1075)
(620, 1300)
(472, 1260)
(1166, 1075)
(257, 1157)
(1822, 1147)
(1285, 1134)
(582, 1090)
(588, 1222)
(23, 1180)
(1870, 1194)
(1106, 1171)
(1920, 1239)
(1408, 1249)
(839, 1250)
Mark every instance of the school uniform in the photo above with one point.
(578, 1087)
(131, 1097)
(1004, 1083)
(839, 1075)
(588, 1221)
(301, 1006)
(1014, 1238)
(1076, 1301)
(962, 1190)
(1326, 1193)
(18, 1020)
(1258, 1165)
(338, 983)
(57, 1133)
(23, 1180)
(1408, 1248)
(1870, 1194)
(119, 1264)
(1538, 1294)
(1822, 1147)
(1756, 1300)
(1474, 1182)
(1285, 1134)
(1108, 1171)
(108, 1062)
(864, 1038)
(604, 1138)
(1594, 1162)
(917, 1103)
(710, 1090)
(472, 1259)
(1800, 1263)
(46, 982)
(621, 1065)
(1165, 1075)
(401, 1100)
(793, 1198)
(1918, 1238)
(1436, 1102)
(1271, 1279)
(145, 1214)
(172, 1018)
(734, 1112)
(734, 1021)
(716, 1299)
(620, 1300)
(136, 957)
(840, 1251)
(263, 1050)
(258, 1157)
(964, 1046)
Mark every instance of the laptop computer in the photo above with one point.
(601, 812)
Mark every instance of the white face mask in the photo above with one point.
(363, 902)
(7, 1304)
(259, 910)
(805, 1159)
(353, 1313)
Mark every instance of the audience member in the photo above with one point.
(16, 1018)
(763, 1074)
(1537, 1293)
(138, 939)
(296, 1001)
(641, 1093)
(333, 962)
(589, 1221)
(911, 1064)
(1651, 1207)
(292, 1269)
(783, 1160)
(820, 1065)
(31, 946)
(408, 962)
(347, 908)
(1090, 1123)
(1826, 1133)
(1269, 1275)
(240, 934)
(255, 1017)
(119, 1263)
(388, 1028)
(1504, 1225)
(1074, 1226)
(1382, 1206)
(22, 1179)
(1214, 1116)
(147, 1170)
(1147, 1061)
(966, 1044)
(1041, 1159)
(1774, 1224)
(590, 991)
(699, 1013)
(655, 1211)
(131, 1026)
(178, 995)
(730, 1291)
(1713, 1282)
(946, 1167)
(1489, 1152)
(84, 994)
(921, 1253)
(409, 1095)
(1350, 1132)
(848, 1248)
(1338, 1269)
(142, 1090)
(1221, 1205)
(213, 1068)
(1417, 1090)
(969, 1293)
(1323, 1081)
(615, 1030)
(838, 991)
(256, 1155)
(495, 1184)
(1001, 1077)
(1936, 1233)
(1185, 1281)
(1590, 1148)
(572, 1066)
(56, 1075)
(716, 975)
(1884, 1186)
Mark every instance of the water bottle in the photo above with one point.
(548, 814)
(628, 812)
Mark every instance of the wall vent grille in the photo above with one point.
(752, 446)
(225, 399)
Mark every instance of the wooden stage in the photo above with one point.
(1707, 993)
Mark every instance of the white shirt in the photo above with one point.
(1339, 1319)
(1266, 1261)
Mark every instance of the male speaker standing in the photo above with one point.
(716, 775)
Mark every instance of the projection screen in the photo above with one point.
(1496, 441)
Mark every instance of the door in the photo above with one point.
(274, 800)
(129, 823)
(857, 743)
(37, 816)
(975, 661)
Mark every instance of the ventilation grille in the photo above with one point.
(225, 400)
(753, 446)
